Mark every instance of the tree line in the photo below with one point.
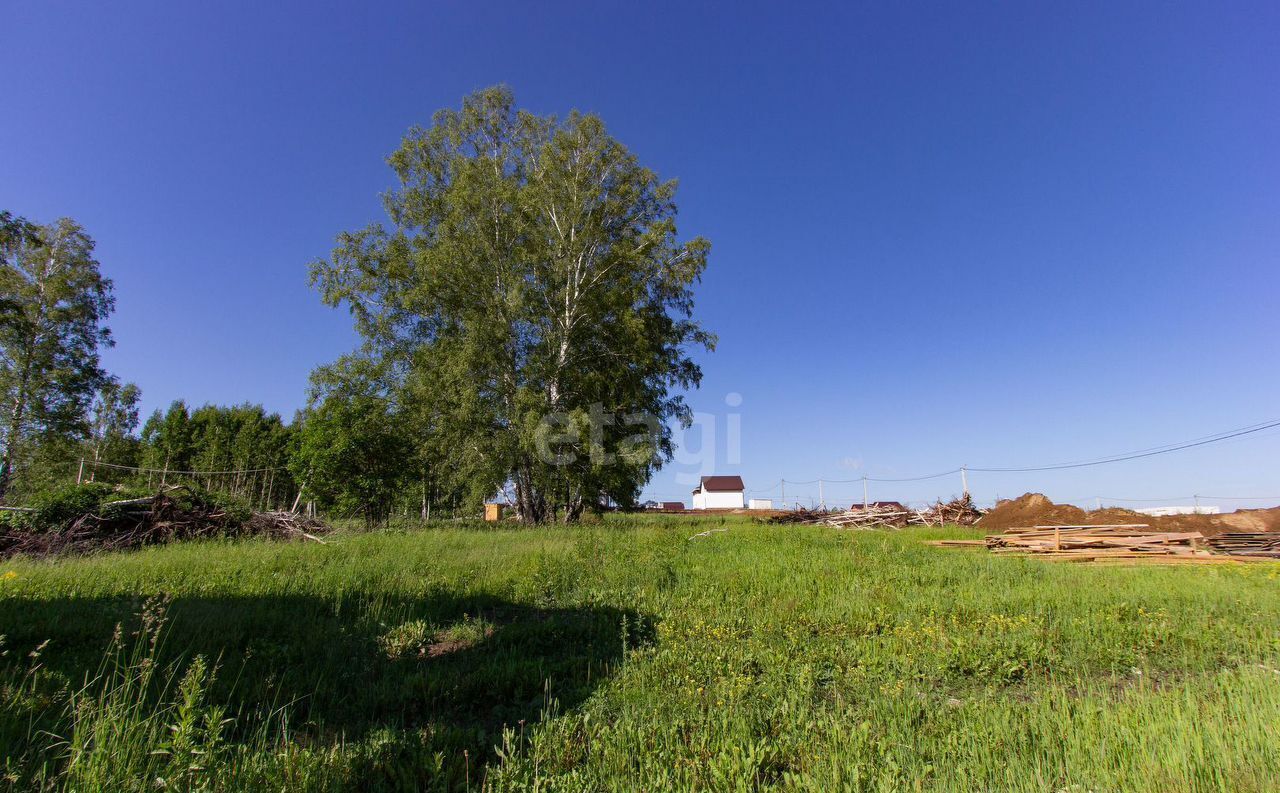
(526, 317)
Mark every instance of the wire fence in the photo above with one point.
(261, 488)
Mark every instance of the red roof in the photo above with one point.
(873, 504)
(721, 484)
(673, 505)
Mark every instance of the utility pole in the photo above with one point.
(1099, 502)
(1197, 498)
(784, 494)
(964, 481)
(822, 502)
(864, 491)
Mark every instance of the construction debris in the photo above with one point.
(1034, 509)
(957, 512)
(886, 515)
(1264, 544)
(1085, 543)
(1124, 543)
(176, 513)
(707, 533)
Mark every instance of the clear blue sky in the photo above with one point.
(943, 234)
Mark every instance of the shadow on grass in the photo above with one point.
(440, 674)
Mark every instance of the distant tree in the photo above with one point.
(531, 303)
(113, 419)
(55, 304)
(354, 455)
(241, 450)
(166, 439)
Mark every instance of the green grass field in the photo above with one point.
(626, 656)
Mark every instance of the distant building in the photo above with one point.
(650, 505)
(719, 492)
(1157, 512)
(760, 503)
(672, 506)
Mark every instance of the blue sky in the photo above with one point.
(944, 234)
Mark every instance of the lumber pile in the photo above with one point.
(1093, 543)
(1126, 543)
(799, 516)
(960, 512)
(873, 517)
(1264, 544)
(175, 513)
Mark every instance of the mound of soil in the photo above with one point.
(1034, 509)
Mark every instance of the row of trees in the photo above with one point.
(527, 325)
(62, 415)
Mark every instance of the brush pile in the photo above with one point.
(173, 514)
(886, 515)
(957, 512)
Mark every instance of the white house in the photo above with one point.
(1160, 512)
(719, 492)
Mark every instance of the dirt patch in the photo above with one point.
(446, 642)
(1034, 509)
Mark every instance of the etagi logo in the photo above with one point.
(598, 437)
(698, 453)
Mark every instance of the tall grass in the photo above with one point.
(625, 655)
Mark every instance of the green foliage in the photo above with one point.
(353, 451)
(113, 420)
(55, 508)
(530, 310)
(628, 656)
(55, 303)
(250, 450)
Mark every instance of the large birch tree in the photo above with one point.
(53, 304)
(532, 300)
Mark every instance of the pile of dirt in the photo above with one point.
(171, 515)
(1034, 509)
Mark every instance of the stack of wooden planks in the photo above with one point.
(1127, 543)
(1115, 543)
(1264, 544)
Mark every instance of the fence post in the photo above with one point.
(80, 473)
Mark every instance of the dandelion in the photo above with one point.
(10, 575)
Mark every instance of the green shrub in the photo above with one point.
(54, 509)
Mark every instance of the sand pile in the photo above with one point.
(1034, 509)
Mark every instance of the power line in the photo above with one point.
(185, 473)
(915, 478)
(1138, 455)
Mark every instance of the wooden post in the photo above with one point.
(80, 473)
(1057, 538)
